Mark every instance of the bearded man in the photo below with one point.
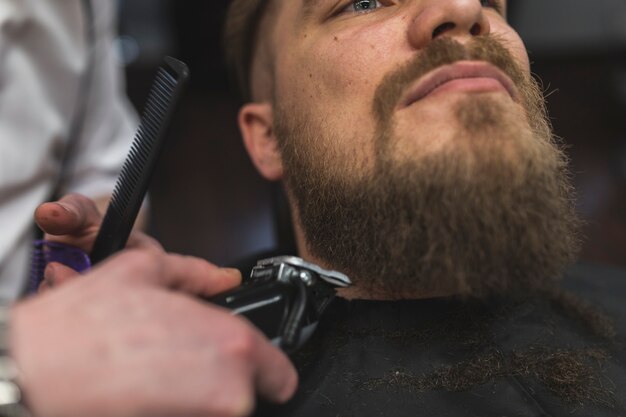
(418, 158)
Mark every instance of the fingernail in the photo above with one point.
(234, 272)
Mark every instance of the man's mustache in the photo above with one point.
(443, 51)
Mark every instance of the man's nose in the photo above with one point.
(455, 18)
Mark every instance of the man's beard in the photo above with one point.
(490, 213)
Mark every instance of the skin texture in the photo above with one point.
(317, 77)
(130, 339)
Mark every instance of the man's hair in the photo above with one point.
(240, 40)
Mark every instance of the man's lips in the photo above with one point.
(461, 76)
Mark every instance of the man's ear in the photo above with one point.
(256, 122)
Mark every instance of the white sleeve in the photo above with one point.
(109, 121)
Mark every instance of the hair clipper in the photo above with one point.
(284, 297)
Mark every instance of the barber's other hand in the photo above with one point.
(130, 341)
(75, 220)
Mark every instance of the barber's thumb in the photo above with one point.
(56, 218)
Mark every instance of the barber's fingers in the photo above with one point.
(57, 274)
(43, 288)
(73, 214)
(139, 240)
(183, 273)
(75, 220)
(276, 378)
(197, 276)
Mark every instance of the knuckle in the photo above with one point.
(137, 260)
(243, 344)
(142, 240)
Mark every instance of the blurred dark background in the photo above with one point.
(208, 200)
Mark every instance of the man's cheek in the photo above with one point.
(347, 66)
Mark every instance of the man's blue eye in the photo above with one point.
(364, 5)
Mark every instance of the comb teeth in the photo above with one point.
(136, 172)
(139, 155)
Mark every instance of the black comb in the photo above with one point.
(132, 183)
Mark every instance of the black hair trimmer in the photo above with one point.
(284, 297)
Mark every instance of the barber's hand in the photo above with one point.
(75, 220)
(131, 341)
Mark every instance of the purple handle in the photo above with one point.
(45, 252)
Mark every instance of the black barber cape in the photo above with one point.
(452, 358)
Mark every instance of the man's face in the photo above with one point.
(414, 144)
(332, 58)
